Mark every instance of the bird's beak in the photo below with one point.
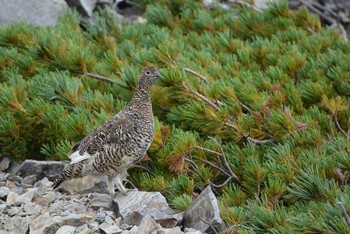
(159, 76)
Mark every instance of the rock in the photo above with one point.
(18, 190)
(66, 229)
(192, 231)
(43, 13)
(15, 225)
(172, 220)
(84, 7)
(45, 199)
(134, 230)
(24, 198)
(109, 229)
(204, 207)
(46, 224)
(148, 225)
(88, 184)
(101, 200)
(174, 230)
(5, 162)
(12, 211)
(41, 169)
(29, 180)
(100, 216)
(3, 192)
(136, 204)
(83, 229)
(30, 209)
(3, 207)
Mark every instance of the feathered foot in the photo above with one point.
(118, 182)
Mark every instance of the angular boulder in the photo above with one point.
(203, 211)
(137, 204)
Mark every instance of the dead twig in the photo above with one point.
(317, 11)
(195, 74)
(345, 213)
(206, 100)
(233, 175)
(338, 125)
(98, 77)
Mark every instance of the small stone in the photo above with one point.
(12, 197)
(31, 209)
(12, 211)
(45, 200)
(134, 230)
(5, 163)
(100, 216)
(45, 182)
(148, 225)
(24, 198)
(192, 231)
(204, 207)
(174, 230)
(109, 229)
(109, 220)
(82, 229)
(66, 229)
(29, 180)
(18, 190)
(9, 184)
(125, 232)
(4, 191)
(3, 207)
(101, 200)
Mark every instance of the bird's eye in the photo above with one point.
(148, 73)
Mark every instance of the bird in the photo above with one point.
(118, 143)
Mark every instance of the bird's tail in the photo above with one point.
(59, 180)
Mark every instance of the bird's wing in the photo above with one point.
(107, 133)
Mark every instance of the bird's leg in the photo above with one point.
(120, 185)
(110, 185)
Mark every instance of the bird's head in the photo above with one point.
(148, 77)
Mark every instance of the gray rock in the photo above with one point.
(4, 176)
(45, 199)
(174, 230)
(136, 204)
(3, 207)
(109, 229)
(66, 229)
(192, 231)
(172, 220)
(3, 192)
(18, 190)
(87, 184)
(148, 225)
(41, 169)
(125, 232)
(30, 209)
(12, 211)
(43, 13)
(24, 198)
(134, 230)
(46, 224)
(15, 225)
(5, 162)
(100, 216)
(204, 207)
(45, 183)
(29, 180)
(99, 200)
(84, 7)
(82, 229)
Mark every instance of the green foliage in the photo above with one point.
(255, 104)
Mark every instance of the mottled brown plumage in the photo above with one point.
(117, 143)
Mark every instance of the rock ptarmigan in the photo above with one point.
(119, 142)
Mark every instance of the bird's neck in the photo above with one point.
(141, 101)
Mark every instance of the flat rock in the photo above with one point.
(174, 230)
(40, 169)
(4, 162)
(47, 224)
(26, 197)
(66, 229)
(109, 229)
(148, 225)
(3, 192)
(99, 200)
(204, 207)
(42, 13)
(192, 231)
(136, 204)
(88, 184)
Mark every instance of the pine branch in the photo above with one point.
(206, 100)
(338, 125)
(250, 139)
(345, 213)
